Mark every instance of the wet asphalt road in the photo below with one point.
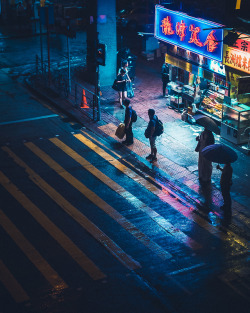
(86, 227)
(83, 227)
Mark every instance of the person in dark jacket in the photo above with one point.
(225, 185)
(205, 167)
(150, 134)
(128, 124)
(122, 80)
(165, 78)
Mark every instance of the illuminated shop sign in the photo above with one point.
(217, 67)
(188, 33)
(242, 44)
(237, 59)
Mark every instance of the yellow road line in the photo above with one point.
(108, 243)
(32, 254)
(63, 240)
(121, 191)
(160, 220)
(130, 198)
(165, 194)
(12, 285)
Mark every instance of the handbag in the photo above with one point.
(120, 131)
(115, 85)
(130, 91)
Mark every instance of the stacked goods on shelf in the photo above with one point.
(212, 104)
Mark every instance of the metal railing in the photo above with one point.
(78, 95)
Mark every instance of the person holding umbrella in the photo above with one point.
(205, 167)
(225, 185)
(223, 154)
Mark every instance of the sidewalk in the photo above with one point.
(176, 157)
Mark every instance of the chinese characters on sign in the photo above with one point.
(242, 45)
(194, 34)
(237, 59)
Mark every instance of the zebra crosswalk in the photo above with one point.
(80, 207)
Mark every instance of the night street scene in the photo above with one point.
(125, 156)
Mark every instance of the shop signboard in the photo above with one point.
(238, 55)
(194, 34)
(237, 59)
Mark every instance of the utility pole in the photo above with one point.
(41, 45)
(97, 80)
(48, 42)
(68, 50)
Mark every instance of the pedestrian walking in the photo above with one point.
(128, 124)
(165, 78)
(151, 135)
(225, 185)
(121, 81)
(205, 167)
(130, 90)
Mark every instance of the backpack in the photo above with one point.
(134, 116)
(159, 129)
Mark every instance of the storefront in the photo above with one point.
(201, 75)
(194, 55)
(235, 124)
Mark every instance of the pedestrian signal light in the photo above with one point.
(42, 3)
(101, 54)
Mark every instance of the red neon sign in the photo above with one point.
(194, 35)
(167, 26)
(211, 42)
(181, 29)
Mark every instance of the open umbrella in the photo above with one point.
(207, 122)
(219, 153)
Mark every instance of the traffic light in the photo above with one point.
(101, 54)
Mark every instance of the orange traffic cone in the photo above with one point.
(84, 100)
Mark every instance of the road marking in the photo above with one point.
(100, 236)
(166, 225)
(122, 192)
(187, 269)
(28, 119)
(162, 222)
(12, 285)
(166, 195)
(32, 254)
(85, 263)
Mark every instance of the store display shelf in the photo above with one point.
(217, 118)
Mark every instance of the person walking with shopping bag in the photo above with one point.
(128, 124)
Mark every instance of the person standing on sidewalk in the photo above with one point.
(205, 167)
(150, 134)
(225, 185)
(121, 80)
(128, 124)
(165, 78)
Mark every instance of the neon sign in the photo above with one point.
(188, 33)
(237, 59)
